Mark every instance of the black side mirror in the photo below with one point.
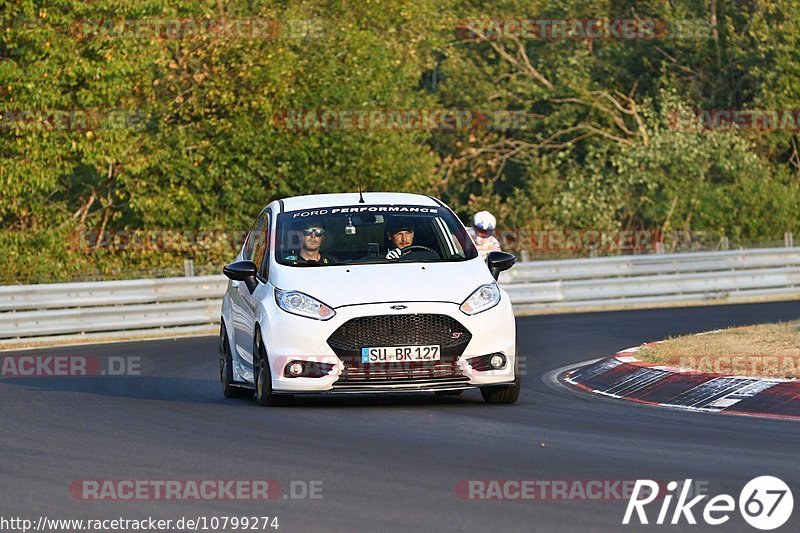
(500, 261)
(242, 271)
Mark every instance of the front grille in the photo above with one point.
(399, 330)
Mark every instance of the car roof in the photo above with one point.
(311, 201)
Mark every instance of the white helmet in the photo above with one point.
(484, 220)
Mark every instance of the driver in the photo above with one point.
(400, 232)
(313, 234)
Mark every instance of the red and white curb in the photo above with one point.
(625, 377)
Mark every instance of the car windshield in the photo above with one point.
(356, 234)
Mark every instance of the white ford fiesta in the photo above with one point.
(365, 293)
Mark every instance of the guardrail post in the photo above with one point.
(188, 267)
(788, 239)
(724, 243)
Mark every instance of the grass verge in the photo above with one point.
(765, 350)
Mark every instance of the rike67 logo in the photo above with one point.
(765, 503)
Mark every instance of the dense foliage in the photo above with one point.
(109, 128)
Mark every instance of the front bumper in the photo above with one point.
(288, 338)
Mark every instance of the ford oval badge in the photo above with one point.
(398, 307)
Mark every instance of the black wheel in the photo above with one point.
(263, 378)
(505, 393)
(418, 248)
(449, 392)
(229, 389)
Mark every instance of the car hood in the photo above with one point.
(337, 286)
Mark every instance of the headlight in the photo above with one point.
(297, 303)
(485, 297)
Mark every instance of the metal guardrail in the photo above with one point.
(731, 276)
(172, 304)
(98, 293)
(109, 306)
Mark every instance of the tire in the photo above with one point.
(229, 390)
(263, 378)
(505, 393)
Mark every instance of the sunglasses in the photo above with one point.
(316, 232)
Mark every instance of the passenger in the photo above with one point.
(310, 254)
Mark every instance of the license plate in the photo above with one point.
(400, 354)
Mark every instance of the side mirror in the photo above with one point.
(500, 261)
(242, 271)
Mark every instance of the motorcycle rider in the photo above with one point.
(482, 233)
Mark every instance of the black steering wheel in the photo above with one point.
(416, 248)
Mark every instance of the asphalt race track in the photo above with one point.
(388, 463)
